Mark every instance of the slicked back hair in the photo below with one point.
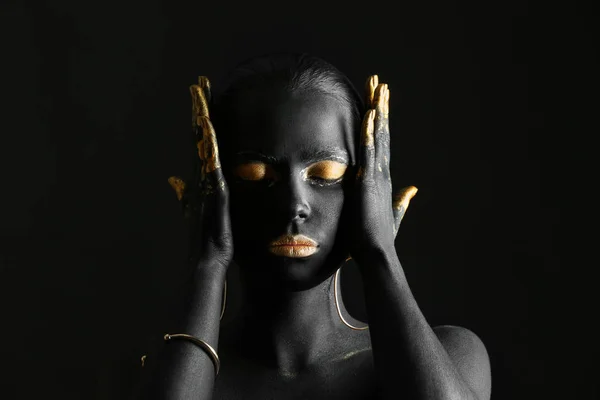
(294, 72)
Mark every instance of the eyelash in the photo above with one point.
(314, 180)
(326, 182)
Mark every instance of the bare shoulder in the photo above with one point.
(470, 356)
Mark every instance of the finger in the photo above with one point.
(199, 104)
(400, 204)
(382, 134)
(199, 110)
(367, 149)
(208, 149)
(371, 84)
(205, 85)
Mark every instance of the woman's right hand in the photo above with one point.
(205, 202)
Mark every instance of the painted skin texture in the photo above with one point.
(288, 341)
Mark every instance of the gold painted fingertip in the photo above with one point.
(368, 129)
(211, 148)
(380, 96)
(375, 81)
(143, 359)
(178, 186)
(402, 199)
(199, 104)
(205, 85)
(372, 83)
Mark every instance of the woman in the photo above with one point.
(298, 181)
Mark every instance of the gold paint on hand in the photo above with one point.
(380, 95)
(209, 150)
(372, 83)
(360, 172)
(368, 129)
(199, 104)
(178, 185)
(205, 85)
(403, 197)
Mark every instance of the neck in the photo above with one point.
(291, 330)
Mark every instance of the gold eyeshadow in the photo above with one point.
(326, 169)
(253, 171)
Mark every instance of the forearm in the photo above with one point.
(184, 370)
(405, 347)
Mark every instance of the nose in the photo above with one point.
(296, 199)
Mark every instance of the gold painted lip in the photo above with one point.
(293, 246)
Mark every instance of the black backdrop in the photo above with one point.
(96, 116)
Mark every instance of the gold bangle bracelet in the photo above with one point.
(205, 346)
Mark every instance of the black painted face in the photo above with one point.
(289, 164)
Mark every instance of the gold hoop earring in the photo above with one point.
(224, 300)
(337, 303)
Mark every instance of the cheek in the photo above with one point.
(247, 211)
(258, 214)
(328, 208)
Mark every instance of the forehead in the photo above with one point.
(290, 125)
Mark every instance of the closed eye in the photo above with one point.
(254, 171)
(326, 171)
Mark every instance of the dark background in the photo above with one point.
(96, 112)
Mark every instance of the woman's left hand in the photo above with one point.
(378, 213)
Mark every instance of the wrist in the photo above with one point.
(379, 255)
(380, 262)
(211, 267)
(210, 276)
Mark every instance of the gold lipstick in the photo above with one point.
(295, 246)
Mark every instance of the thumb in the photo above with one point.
(400, 204)
(179, 186)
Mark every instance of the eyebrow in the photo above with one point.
(307, 156)
(328, 154)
